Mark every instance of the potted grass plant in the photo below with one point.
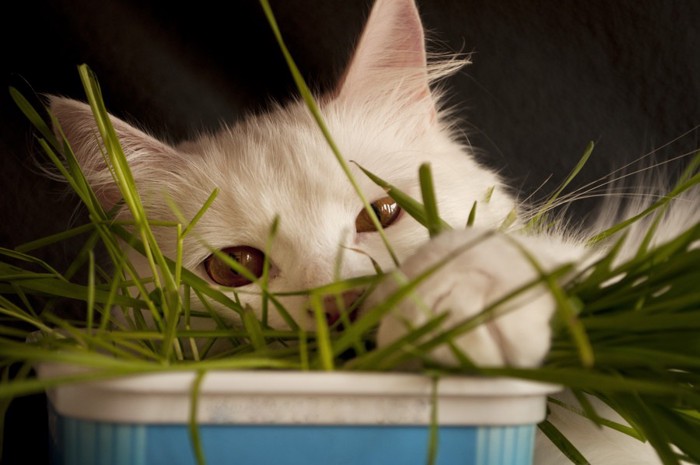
(159, 391)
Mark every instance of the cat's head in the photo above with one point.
(383, 116)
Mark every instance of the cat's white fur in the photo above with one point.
(383, 116)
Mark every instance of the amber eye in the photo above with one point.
(386, 210)
(221, 273)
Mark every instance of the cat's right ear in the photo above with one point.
(146, 155)
(389, 64)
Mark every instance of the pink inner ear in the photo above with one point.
(390, 55)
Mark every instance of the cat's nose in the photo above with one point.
(334, 306)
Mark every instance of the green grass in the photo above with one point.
(633, 343)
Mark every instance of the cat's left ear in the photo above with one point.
(390, 61)
(148, 158)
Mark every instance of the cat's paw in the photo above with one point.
(481, 268)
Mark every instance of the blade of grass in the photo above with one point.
(536, 220)
(472, 215)
(316, 113)
(434, 429)
(681, 187)
(429, 200)
(325, 352)
(562, 443)
(195, 437)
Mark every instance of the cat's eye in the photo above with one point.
(223, 274)
(387, 212)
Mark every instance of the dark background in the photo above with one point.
(547, 78)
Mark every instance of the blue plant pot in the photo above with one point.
(266, 418)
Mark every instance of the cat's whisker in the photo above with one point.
(636, 190)
(609, 179)
(538, 189)
(618, 175)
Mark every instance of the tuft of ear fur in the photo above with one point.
(146, 155)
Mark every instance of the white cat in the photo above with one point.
(385, 117)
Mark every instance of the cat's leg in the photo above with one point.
(480, 268)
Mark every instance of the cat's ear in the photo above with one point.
(390, 59)
(146, 155)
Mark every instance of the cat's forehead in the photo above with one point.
(276, 165)
(267, 157)
(286, 153)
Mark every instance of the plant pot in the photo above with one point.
(271, 417)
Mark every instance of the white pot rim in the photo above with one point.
(297, 397)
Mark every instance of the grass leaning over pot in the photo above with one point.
(629, 326)
(631, 343)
